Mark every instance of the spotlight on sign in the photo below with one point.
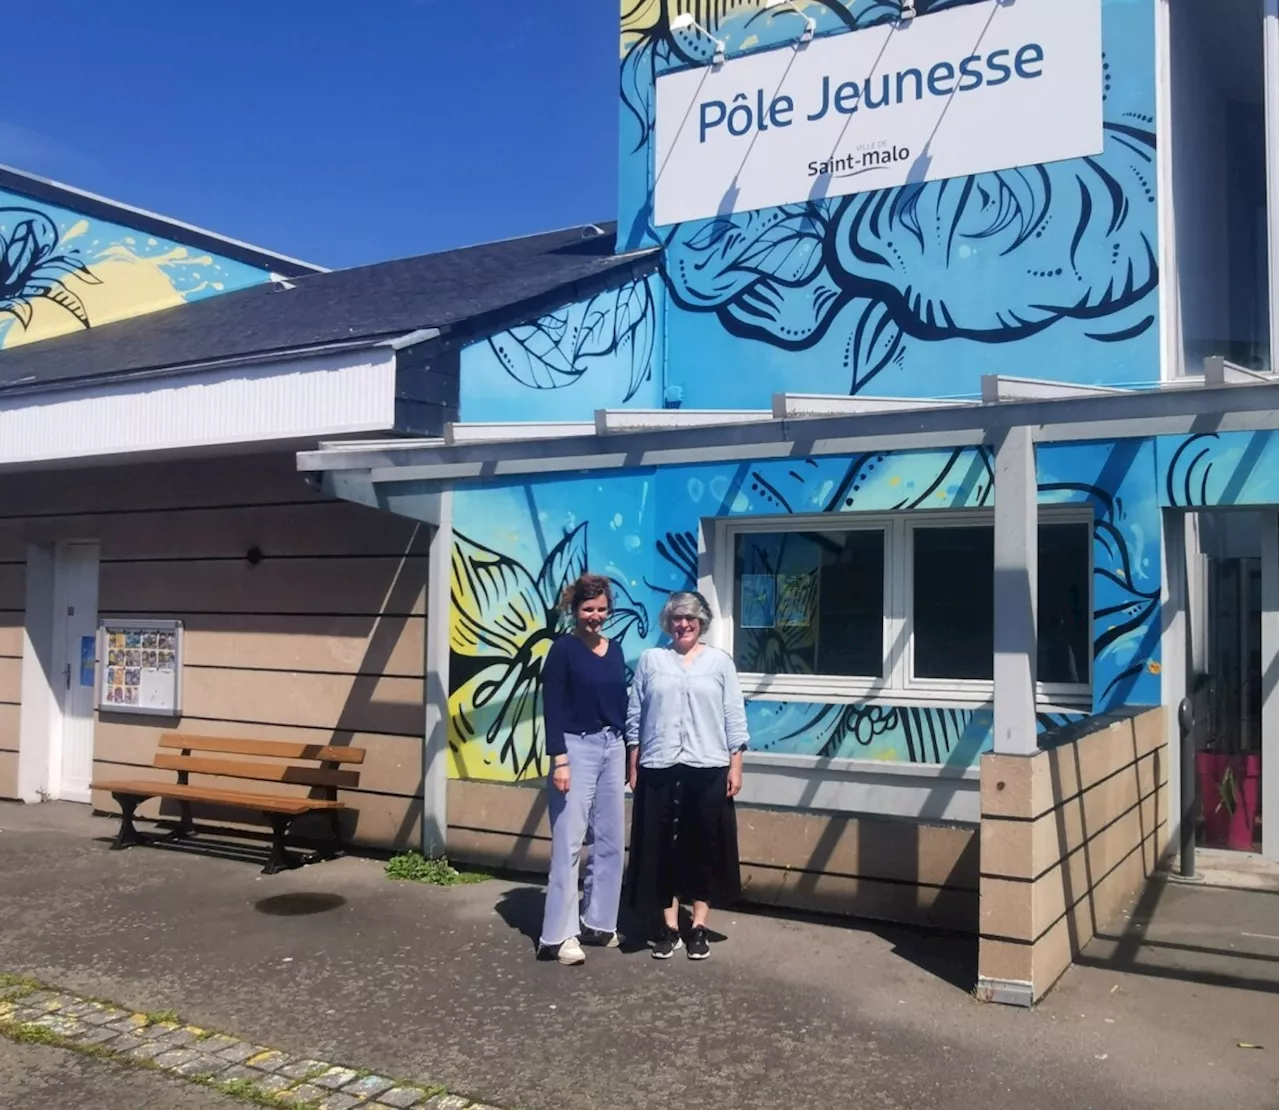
(685, 22)
(810, 24)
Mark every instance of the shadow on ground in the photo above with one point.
(336, 962)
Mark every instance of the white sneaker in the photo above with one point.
(571, 953)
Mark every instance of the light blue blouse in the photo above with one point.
(690, 715)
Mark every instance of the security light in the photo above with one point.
(810, 24)
(908, 11)
(685, 22)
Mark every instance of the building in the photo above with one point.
(795, 375)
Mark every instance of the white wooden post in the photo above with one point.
(1015, 594)
(435, 752)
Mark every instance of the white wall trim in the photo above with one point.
(504, 432)
(285, 399)
(1008, 992)
(916, 791)
(608, 421)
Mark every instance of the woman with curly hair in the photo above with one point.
(584, 697)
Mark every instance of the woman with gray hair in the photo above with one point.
(686, 731)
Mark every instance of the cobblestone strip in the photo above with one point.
(33, 1012)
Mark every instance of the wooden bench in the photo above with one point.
(177, 752)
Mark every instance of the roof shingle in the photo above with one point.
(383, 300)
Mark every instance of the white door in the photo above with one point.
(76, 594)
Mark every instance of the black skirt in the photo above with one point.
(684, 839)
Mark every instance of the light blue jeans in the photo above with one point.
(591, 812)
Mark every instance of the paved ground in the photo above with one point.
(333, 961)
(38, 1077)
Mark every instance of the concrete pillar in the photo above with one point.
(1015, 594)
(435, 752)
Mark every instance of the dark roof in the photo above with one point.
(381, 301)
(149, 223)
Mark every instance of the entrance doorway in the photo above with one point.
(1227, 681)
(75, 592)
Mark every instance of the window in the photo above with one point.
(1062, 604)
(810, 602)
(899, 608)
(952, 574)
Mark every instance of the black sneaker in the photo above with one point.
(667, 944)
(598, 938)
(699, 949)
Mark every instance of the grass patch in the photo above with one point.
(27, 1033)
(414, 867)
(242, 1089)
(15, 987)
(245, 1090)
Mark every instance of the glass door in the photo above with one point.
(1229, 740)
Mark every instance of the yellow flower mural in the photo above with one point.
(503, 621)
(61, 272)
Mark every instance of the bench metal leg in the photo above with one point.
(128, 835)
(186, 826)
(335, 828)
(281, 859)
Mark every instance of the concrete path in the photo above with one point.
(335, 962)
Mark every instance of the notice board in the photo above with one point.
(140, 667)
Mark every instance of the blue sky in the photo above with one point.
(336, 132)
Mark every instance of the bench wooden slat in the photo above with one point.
(269, 802)
(279, 749)
(263, 772)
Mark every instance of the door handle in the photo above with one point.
(66, 673)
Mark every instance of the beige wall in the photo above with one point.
(1068, 835)
(830, 863)
(320, 641)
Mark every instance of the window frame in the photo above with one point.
(897, 684)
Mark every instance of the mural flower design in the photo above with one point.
(839, 731)
(503, 623)
(557, 349)
(31, 266)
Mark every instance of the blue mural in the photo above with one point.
(591, 354)
(61, 271)
(516, 544)
(911, 291)
(1232, 468)
(1046, 271)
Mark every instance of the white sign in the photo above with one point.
(980, 87)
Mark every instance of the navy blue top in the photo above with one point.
(582, 692)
